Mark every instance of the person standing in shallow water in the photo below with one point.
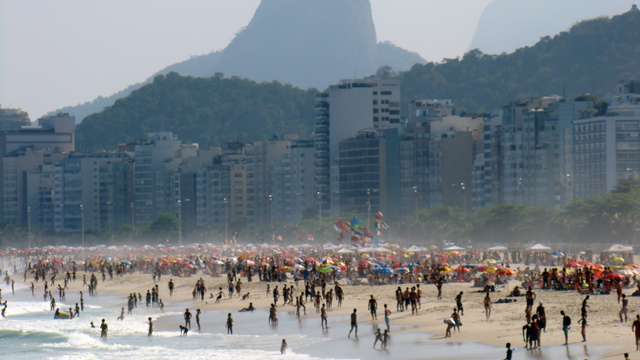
(103, 329)
(566, 326)
(150, 327)
(187, 319)
(509, 352)
(354, 323)
(229, 324)
(283, 346)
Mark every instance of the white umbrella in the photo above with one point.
(414, 248)
(453, 248)
(617, 248)
(540, 247)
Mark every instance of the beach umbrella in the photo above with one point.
(617, 260)
(614, 276)
(344, 251)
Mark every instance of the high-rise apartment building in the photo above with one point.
(294, 193)
(156, 174)
(369, 173)
(55, 133)
(607, 146)
(342, 111)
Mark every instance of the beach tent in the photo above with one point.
(498, 248)
(617, 248)
(454, 248)
(618, 252)
(540, 248)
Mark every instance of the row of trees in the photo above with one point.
(609, 219)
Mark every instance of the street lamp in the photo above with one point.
(270, 198)
(132, 216)
(82, 225)
(463, 187)
(179, 202)
(415, 195)
(369, 209)
(319, 197)
(226, 219)
(29, 225)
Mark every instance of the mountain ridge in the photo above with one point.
(589, 58)
(306, 43)
(531, 18)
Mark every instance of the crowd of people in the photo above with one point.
(303, 276)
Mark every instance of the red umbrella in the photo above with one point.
(614, 276)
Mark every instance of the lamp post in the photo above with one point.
(270, 198)
(82, 228)
(226, 219)
(319, 197)
(179, 202)
(415, 195)
(132, 218)
(29, 225)
(463, 187)
(369, 209)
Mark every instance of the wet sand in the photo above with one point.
(605, 333)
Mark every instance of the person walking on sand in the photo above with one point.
(171, 287)
(530, 297)
(566, 326)
(487, 305)
(387, 317)
(459, 306)
(150, 327)
(583, 328)
(378, 337)
(283, 347)
(323, 318)
(624, 310)
(584, 307)
(636, 329)
(354, 323)
(373, 308)
(229, 324)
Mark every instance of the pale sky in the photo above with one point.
(55, 53)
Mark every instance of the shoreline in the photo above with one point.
(505, 326)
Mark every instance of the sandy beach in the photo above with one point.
(604, 330)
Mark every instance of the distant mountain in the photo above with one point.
(592, 57)
(209, 111)
(306, 43)
(507, 25)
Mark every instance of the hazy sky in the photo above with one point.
(55, 53)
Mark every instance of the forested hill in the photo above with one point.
(208, 111)
(590, 58)
(593, 56)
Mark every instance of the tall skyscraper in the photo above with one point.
(342, 111)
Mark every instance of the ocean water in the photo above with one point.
(29, 333)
